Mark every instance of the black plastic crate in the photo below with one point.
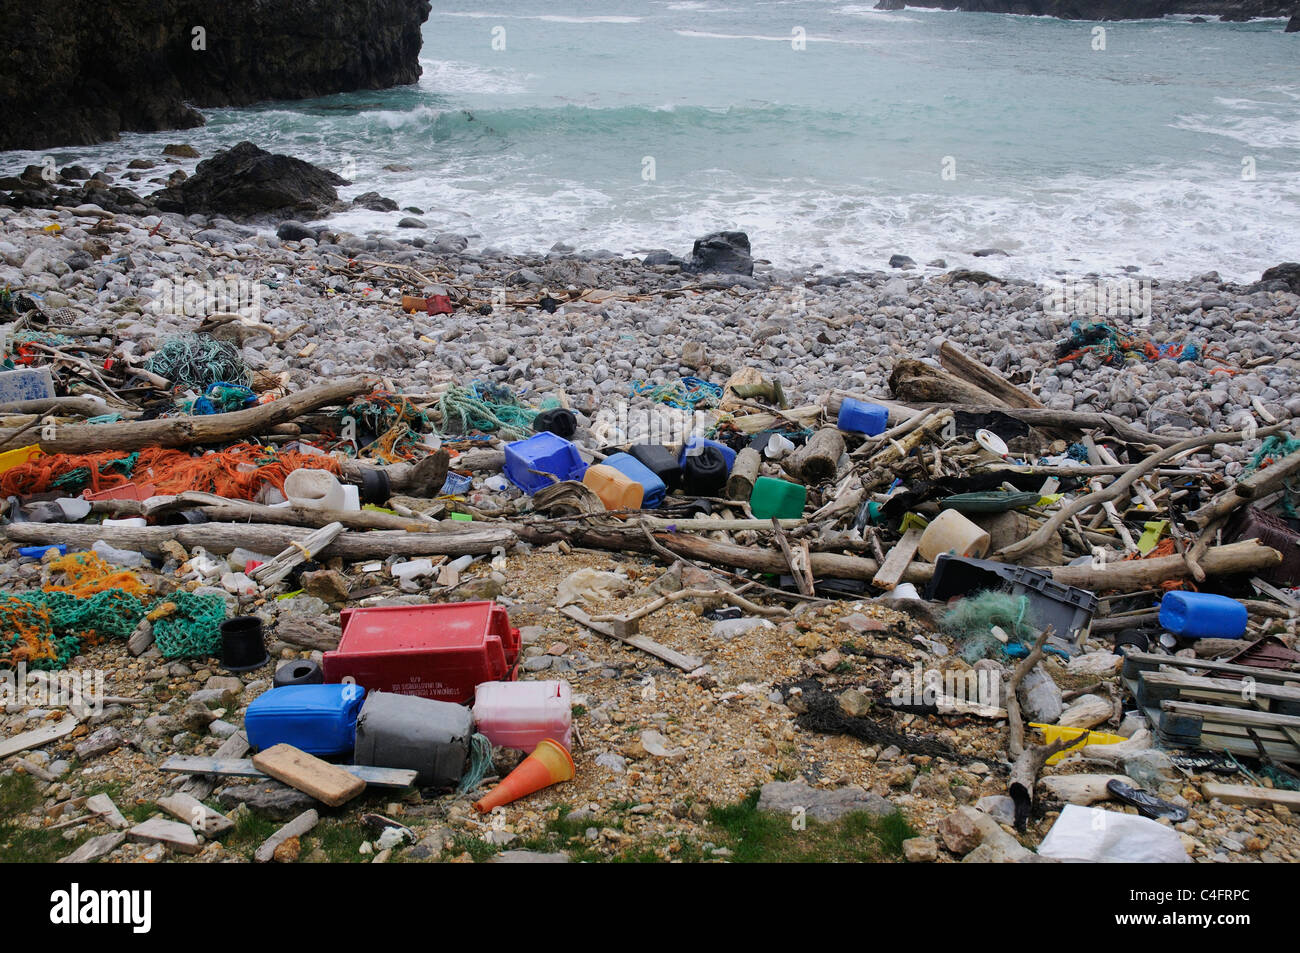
(1067, 609)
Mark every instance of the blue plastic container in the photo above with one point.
(1202, 615)
(545, 452)
(36, 552)
(319, 719)
(635, 470)
(858, 416)
(698, 442)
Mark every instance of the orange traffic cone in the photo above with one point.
(549, 764)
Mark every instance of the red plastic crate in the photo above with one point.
(127, 491)
(435, 651)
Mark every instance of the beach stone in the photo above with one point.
(1040, 697)
(275, 800)
(99, 742)
(726, 252)
(293, 231)
(920, 850)
(244, 181)
(783, 797)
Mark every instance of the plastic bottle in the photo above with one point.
(239, 558)
(117, 557)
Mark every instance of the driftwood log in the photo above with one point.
(189, 431)
(1126, 576)
(913, 381)
(222, 538)
(985, 378)
(1024, 776)
(818, 460)
(1244, 491)
(1120, 486)
(740, 484)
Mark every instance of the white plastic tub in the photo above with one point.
(521, 715)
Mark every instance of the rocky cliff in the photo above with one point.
(76, 72)
(1111, 9)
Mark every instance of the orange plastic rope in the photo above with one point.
(238, 472)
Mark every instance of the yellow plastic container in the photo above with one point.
(16, 458)
(950, 532)
(1086, 736)
(616, 490)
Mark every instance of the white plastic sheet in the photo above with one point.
(1093, 835)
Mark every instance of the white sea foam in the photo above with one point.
(450, 78)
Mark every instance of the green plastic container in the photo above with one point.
(772, 497)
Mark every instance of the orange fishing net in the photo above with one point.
(86, 574)
(28, 636)
(237, 472)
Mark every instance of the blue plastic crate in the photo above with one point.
(544, 453)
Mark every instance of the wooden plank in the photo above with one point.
(897, 560)
(325, 782)
(1223, 715)
(38, 736)
(200, 787)
(1182, 686)
(1248, 794)
(244, 768)
(1288, 600)
(687, 663)
(1241, 748)
(1142, 662)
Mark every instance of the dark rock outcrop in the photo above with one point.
(76, 72)
(246, 181)
(1283, 277)
(1111, 9)
(1293, 25)
(726, 252)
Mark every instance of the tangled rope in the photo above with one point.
(220, 398)
(198, 361)
(1274, 448)
(396, 423)
(685, 393)
(484, 409)
(1113, 347)
(237, 472)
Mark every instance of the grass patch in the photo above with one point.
(248, 833)
(757, 837)
(478, 848)
(341, 840)
(19, 796)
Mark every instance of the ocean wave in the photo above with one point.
(447, 77)
(546, 17)
(1258, 132)
(885, 16)
(704, 35)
